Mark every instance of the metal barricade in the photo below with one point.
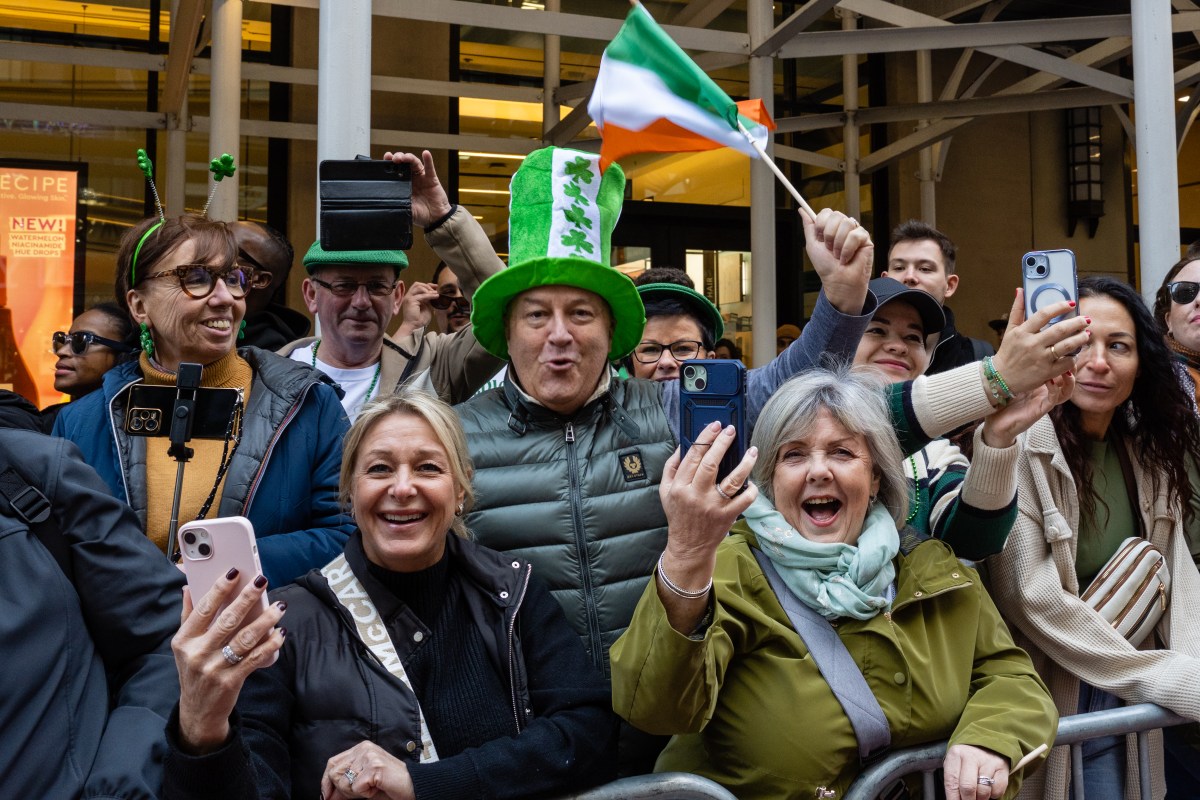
(1139, 719)
(665, 786)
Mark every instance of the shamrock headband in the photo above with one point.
(221, 168)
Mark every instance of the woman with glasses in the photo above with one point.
(98, 340)
(277, 462)
(1177, 309)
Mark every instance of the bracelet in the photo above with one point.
(673, 589)
(433, 226)
(999, 389)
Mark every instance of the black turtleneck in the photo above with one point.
(462, 694)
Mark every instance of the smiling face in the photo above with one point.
(894, 342)
(352, 328)
(1183, 319)
(1107, 366)
(664, 331)
(404, 495)
(558, 343)
(920, 264)
(78, 374)
(185, 328)
(824, 482)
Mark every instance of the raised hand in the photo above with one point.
(842, 254)
(1030, 356)
(429, 200)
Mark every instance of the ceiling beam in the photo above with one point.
(799, 156)
(569, 126)
(185, 27)
(801, 20)
(700, 13)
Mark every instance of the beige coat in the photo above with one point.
(453, 365)
(1034, 584)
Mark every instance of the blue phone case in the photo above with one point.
(713, 390)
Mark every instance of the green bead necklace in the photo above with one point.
(912, 462)
(375, 380)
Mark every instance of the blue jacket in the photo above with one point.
(283, 475)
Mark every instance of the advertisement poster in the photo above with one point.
(38, 215)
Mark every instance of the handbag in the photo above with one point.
(1132, 589)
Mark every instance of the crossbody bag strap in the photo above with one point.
(374, 634)
(836, 665)
(32, 507)
(1130, 486)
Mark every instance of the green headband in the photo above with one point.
(137, 251)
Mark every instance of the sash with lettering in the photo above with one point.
(373, 633)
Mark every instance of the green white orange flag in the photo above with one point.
(650, 97)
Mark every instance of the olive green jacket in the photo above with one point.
(749, 709)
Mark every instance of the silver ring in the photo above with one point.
(230, 656)
(1054, 353)
(350, 776)
(853, 221)
(721, 492)
(986, 781)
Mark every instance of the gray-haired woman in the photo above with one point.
(712, 658)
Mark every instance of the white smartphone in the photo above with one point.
(211, 547)
(1049, 277)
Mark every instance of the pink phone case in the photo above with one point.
(210, 547)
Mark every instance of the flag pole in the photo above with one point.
(778, 174)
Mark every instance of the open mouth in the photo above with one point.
(822, 510)
(404, 519)
(218, 324)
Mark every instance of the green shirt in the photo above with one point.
(1113, 523)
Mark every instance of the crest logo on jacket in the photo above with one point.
(631, 466)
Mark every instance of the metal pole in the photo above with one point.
(850, 129)
(551, 76)
(176, 160)
(1158, 176)
(343, 80)
(759, 23)
(225, 111)
(925, 156)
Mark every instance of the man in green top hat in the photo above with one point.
(568, 457)
(355, 294)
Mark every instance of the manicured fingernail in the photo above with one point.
(1088, 320)
(233, 573)
(753, 451)
(1071, 303)
(282, 631)
(281, 605)
(260, 581)
(729, 431)
(714, 426)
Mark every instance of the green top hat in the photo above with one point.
(690, 297)
(318, 257)
(561, 216)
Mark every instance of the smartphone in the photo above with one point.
(150, 408)
(365, 205)
(713, 390)
(1049, 277)
(210, 547)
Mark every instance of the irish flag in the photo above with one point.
(651, 98)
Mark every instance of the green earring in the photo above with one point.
(242, 331)
(146, 339)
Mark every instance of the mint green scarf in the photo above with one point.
(835, 580)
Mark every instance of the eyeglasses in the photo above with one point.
(80, 341)
(443, 301)
(247, 262)
(350, 288)
(1183, 292)
(651, 352)
(199, 280)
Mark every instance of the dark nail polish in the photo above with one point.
(260, 581)
(283, 631)
(233, 573)
(282, 605)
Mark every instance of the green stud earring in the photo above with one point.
(242, 331)
(146, 340)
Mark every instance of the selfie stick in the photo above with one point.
(770, 163)
(187, 382)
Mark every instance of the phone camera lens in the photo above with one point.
(700, 383)
(204, 549)
(1041, 269)
(189, 537)
(1029, 262)
(689, 372)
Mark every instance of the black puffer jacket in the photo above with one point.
(88, 678)
(327, 693)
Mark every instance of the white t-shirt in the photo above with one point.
(354, 382)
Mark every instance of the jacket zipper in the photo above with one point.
(1141, 588)
(512, 627)
(262, 468)
(581, 549)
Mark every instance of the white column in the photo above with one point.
(175, 162)
(344, 80)
(759, 23)
(850, 131)
(552, 47)
(225, 112)
(1158, 175)
(925, 155)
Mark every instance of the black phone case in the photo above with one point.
(365, 205)
(150, 407)
(723, 399)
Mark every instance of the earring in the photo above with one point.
(146, 340)
(460, 508)
(873, 496)
(242, 331)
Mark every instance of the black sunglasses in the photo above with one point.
(444, 301)
(81, 340)
(1183, 292)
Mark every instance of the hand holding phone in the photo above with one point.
(210, 548)
(713, 390)
(365, 205)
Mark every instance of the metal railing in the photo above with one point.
(664, 786)
(1139, 719)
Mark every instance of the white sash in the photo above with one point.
(374, 635)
